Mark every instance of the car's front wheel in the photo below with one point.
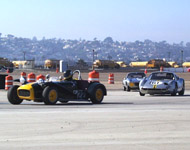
(50, 95)
(183, 90)
(141, 94)
(124, 88)
(174, 92)
(12, 95)
(128, 88)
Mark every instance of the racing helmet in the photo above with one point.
(68, 75)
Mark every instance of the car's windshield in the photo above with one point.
(161, 76)
(136, 75)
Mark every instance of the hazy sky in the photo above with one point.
(123, 20)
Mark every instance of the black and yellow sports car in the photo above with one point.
(51, 92)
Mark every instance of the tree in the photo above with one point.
(109, 57)
(108, 40)
(181, 43)
(34, 38)
(188, 44)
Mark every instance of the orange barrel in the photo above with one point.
(23, 75)
(145, 71)
(93, 76)
(161, 68)
(111, 78)
(8, 82)
(40, 77)
(31, 77)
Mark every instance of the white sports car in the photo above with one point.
(131, 81)
(162, 83)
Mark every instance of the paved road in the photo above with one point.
(124, 121)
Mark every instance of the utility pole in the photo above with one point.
(169, 53)
(181, 57)
(92, 59)
(95, 55)
(24, 52)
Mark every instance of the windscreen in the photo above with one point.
(162, 76)
(136, 75)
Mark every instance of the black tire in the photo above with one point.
(174, 91)
(141, 94)
(50, 95)
(128, 88)
(181, 93)
(97, 95)
(12, 95)
(124, 88)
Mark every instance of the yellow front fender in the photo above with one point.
(26, 92)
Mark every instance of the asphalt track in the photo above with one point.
(124, 121)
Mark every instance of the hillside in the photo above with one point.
(17, 48)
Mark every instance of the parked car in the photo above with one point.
(162, 83)
(6, 69)
(131, 81)
(3, 68)
(51, 92)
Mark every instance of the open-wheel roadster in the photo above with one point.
(50, 92)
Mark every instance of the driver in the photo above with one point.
(68, 75)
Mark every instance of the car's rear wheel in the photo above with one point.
(50, 95)
(183, 90)
(12, 95)
(141, 94)
(97, 95)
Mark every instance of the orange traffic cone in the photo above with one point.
(93, 76)
(31, 77)
(8, 82)
(111, 78)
